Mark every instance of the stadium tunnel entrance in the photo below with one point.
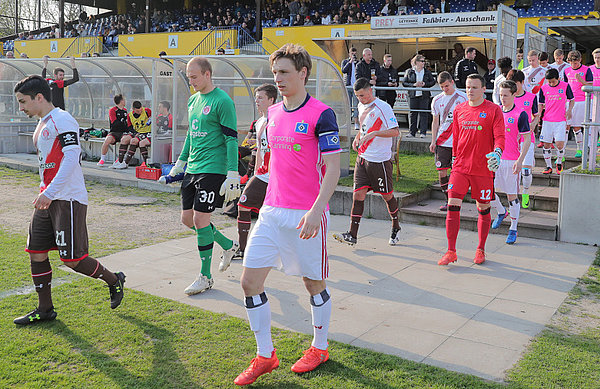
(151, 81)
(493, 34)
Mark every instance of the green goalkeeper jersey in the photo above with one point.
(211, 141)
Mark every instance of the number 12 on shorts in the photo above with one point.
(486, 194)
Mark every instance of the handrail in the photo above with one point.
(195, 49)
(243, 41)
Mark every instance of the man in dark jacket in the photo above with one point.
(389, 78)
(348, 70)
(368, 68)
(418, 101)
(58, 83)
(464, 67)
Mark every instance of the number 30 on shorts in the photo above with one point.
(204, 196)
(486, 194)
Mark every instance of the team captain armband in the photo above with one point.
(329, 142)
(68, 139)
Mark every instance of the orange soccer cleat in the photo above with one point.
(258, 366)
(312, 358)
(479, 257)
(449, 257)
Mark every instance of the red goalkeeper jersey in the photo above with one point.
(476, 131)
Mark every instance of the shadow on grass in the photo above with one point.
(167, 369)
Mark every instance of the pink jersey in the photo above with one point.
(555, 99)
(516, 123)
(528, 103)
(585, 73)
(298, 139)
(596, 74)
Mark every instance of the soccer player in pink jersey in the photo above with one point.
(577, 76)
(478, 141)
(373, 170)
(442, 108)
(596, 73)
(553, 99)
(516, 122)
(291, 231)
(526, 101)
(60, 208)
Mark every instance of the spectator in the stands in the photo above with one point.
(294, 8)
(490, 77)
(326, 19)
(348, 70)
(389, 78)
(389, 8)
(24, 55)
(419, 101)
(367, 67)
(431, 9)
(444, 6)
(298, 21)
(10, 54)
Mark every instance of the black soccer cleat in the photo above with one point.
(345, 237)
(36, 316)
(116, 290)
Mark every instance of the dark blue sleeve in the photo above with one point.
(327, 131)
(534, 109)
(523, 123)
(542, 98)
(569, 93)
(566, 78)
(589, 76)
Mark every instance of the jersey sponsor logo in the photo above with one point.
(297, 147)
(332, 140)
(507, 129)
(206, 110)
(482, 115)
(50, 165)
(198, 134)
(301, 128)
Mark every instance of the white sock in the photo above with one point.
(103, 157)
(579, 139)
(320, 307)
(259, 316)
(527, 179)
(559, 155)
(515, 210)
(498, 205)
(547, 152)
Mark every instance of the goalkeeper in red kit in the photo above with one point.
(478, 141)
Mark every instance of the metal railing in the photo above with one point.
(79, 45)
(228, 38)
(591, 125)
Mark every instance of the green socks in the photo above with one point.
(205, 246)
(221, 239)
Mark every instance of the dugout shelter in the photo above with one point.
(152, 80)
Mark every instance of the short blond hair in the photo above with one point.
(387, 56)
(297, 54)
(596, 51)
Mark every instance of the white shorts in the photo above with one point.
(553, 131)
(504, 180)
(529, 157)
(578, 114)
(275, 242)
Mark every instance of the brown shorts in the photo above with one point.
(375, 176)
(61, 227)
(119, 135)
(143, 135)
(253, 195)
(443, 157)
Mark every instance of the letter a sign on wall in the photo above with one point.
(173, 41)
(53, 46)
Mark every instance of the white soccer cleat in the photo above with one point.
(115, 164)
(121, 165)
(227, 256)
(395, 237)
(199, 285)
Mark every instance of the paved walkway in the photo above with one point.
(397, 300)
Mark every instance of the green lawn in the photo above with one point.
(417, 172)
(152, 342)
